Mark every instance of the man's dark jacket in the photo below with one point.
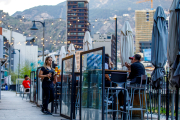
(137, 69)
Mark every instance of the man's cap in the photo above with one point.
(130, 57)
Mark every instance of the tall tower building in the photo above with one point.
(143, 28)
(77, 22)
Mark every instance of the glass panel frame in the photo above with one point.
(67, 87)
(94, 77)
(38, 80)
(32, 78)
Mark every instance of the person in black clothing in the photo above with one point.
(137, 69)
(107, 78)
(47, 75)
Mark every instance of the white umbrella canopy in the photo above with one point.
(172, 45)
(71, 49)
(87, 41)
(127, 44)
(62, 55)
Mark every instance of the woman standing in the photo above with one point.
(47, 75)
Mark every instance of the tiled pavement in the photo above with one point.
(12, 107)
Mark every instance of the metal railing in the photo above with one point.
(168, 100)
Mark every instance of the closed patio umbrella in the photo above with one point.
(176, 65)
(62, 55)
(159, 51)
(87, 41)
(127, 44)
(72, 51)
(159, 47)
(172, 48)
(87, 45)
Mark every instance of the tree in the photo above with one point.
(14, 76)
(25, 69)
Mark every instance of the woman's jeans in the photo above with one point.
(48, 96)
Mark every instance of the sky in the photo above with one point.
(11, 6)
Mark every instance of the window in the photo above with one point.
(80, 33)
(147, 19)
(80, 14)
(81, 22)
(108, 37)
(79, 29)
(81, 17)
(81, 37)
(147, 13)
(80, 4)
(81, 10)
(74, 21)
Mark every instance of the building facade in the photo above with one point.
(28, 50)
(143, 27)
(144, 45)
(77, 22)
(108, 41)
(4, 53)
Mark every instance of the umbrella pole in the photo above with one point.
(172, 107)
(159, 103)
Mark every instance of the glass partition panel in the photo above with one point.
(66, 85)
(92, 86)
(32, 86)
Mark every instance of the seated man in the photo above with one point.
(26, 83)
(137, 69)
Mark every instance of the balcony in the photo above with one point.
(69, 11)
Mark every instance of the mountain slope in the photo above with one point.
(59, 11)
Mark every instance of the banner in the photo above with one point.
(147, 54)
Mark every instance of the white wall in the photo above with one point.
(19, 43)
(32, 54)
(101, 40)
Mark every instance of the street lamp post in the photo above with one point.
(19, 60)
(116, 39)
(35, 28)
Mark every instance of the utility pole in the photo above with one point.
(116, 39)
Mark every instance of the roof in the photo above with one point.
(30, 38)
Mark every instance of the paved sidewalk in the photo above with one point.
(12, 107)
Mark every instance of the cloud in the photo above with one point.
(6, 2)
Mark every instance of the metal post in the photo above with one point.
(43, 39)
(159, 103)
(172, 107)
(177, 103)
(167, 96)
(116, 39)
(19, 64)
